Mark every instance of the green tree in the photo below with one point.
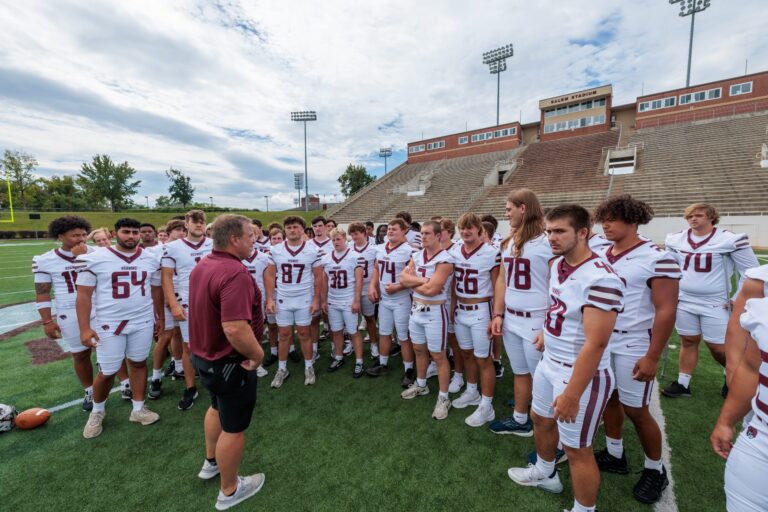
(105, 181)
(181, 188)
(62, 192)
(164, 202)
(18, 166)
(354, 178)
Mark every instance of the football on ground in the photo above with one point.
(32, 418)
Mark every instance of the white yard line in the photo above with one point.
(19, 291)
(78, 401)
(17, 277)
(668, 502)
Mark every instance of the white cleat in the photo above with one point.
(144, 416)
(208, 470)
(280, 377)
(247, 486)
(456, 384)
(482, 415)
(442, 407)
(431, 370)
(466, 399)
(93, 426)
(309, 376)
(532, 477)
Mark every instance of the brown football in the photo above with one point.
(32, 418)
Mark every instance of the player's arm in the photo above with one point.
(83, 306)
(318, 272)
(741, 389)
(324, 294)
(435, 284)
(664, 294)
(169, 292)
(598, 327)
(358, 289)
(744, 259)
(373, 286)
(499, 292)
(736, 337)
(158, 304)
(270, 274)
(43, 302)
(408, 277)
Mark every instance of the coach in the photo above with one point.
(225, 323)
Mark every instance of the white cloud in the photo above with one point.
(207, 87)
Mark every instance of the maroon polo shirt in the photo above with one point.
(221, 290)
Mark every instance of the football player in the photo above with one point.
(262, 240)
(362, 246)
(179, 258)
(323, 244)
(476, 268)
(295, 270)
(651, 284)
(448, 228)
(708, 257)
(148, 235)
(123, 283)
(256, 264)
(736, 338)
(573, 381)
(101, 237)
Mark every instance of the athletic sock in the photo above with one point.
(99, 406)
(520, 417)
(292, 349)
(545, 467)
(383, 360)
(314, 348)
(653, 464)
(282, 365)
(578, 507)
(359, 360)
(458, 375)
(472, 387)
(137, 405)
(442, 394)
(374, 349)
(273, 351)
(486, 401)
(178, 365)
(615, 446)
(308, 363)
(684, 380)
(157, 374)
(408, 366)
(126, 383)
(422, 383)
(338, 358)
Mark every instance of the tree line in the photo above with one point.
(100, 184)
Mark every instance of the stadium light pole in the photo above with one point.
(267, 198)
(690, 8)
(211, 198)
(147, 198)
(304, 116)
(385, 153)
(497, 63)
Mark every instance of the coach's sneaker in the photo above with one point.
(457, 382)
(144, 416)
(676, 390)
(209, 470)
(377, 370)
(155, 389)
(335, 365)
(432, 370)
(443, 405)
(358, 371)
(482, 415)
(269, 360)
(532, 477)
(125, 392)
(93, 425)
(188, 399)
(408, 378)
(261, 371)
(413, 391)
(609, 463)
(88, 402)
(294, 356)
(650, 486)
(309, 376)
(499, 369)
(466, 399)
(247, 486)
(280, 377)
(509, 425)
(560, 457)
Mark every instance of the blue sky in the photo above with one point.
(208, 86)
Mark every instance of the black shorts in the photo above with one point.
(232, 388)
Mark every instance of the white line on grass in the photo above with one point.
(16, 277)
(67, 405)
(668, 502)
(19, 291)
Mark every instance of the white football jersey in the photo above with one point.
(294, 268)
(322, 247)
(472, 270)
(761, 274)
(256, 263)
(527, 277)
(597, 242)
(123, 283)
(708, 263)
(262, 244)
(368, 253)
(426, 268)
(391, 262)
(592, 283)
(755, 320)
(340, 274)
(59, 268)
(182, 255)
(637, 267)
(496, 239)
(413, 238)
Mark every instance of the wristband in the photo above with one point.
(49, 321)
(498, 315)
(43, 305)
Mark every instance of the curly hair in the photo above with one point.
(61, 225)
(624, 208)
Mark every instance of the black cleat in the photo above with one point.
(359, 370)
(676, 390)
(650, 486)
(335, 365)
(294, 356)
(188, 399)
(499, 369)
(409, 378)
(269, 360)
(170, 369)
(609, 463)
(377, 370)
(155, 389)
(88, 402)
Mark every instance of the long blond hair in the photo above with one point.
(533, 220)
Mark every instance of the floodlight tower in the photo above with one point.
(497, 62)
(690, 8)
(304, 116)
(385, 153)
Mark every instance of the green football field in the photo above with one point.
(342, 444)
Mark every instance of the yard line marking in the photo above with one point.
(16, 277)
(67, 405)
(668, 502)
(19, 291)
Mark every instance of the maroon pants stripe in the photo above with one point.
(120, 327)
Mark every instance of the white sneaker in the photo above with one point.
(441, 408)
(93, 425)
(144, 416)
(261, 372)
(309, 376)
(532, 477)
(482, 415)
(466, 399)
(280, 377)
(431, 370)
(456, 384)
(413, 391)
(247, 486)
(348, 348)
(208, 471)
